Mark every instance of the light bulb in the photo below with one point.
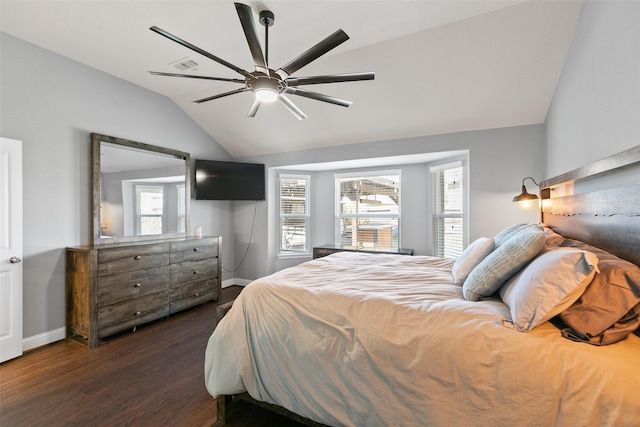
(266, 95)
(525, 204)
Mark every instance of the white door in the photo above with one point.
(10, 249)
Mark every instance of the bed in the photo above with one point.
(511, 333)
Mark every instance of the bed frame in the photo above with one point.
(225, 410)
(587, 204)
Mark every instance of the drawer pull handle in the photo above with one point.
(137, 313)
(197, 294)
(137, 285)
(137, 257)
(195, 272)
(195, 249)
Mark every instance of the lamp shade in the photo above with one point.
(525, 196)
(525, 199)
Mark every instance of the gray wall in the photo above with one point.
(51, 104)
(498, 161)
(596, 108)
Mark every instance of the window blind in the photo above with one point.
(448, 197)
(294, 213)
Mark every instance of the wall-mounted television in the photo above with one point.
(220, 180)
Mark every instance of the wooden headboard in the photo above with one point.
(598, 204)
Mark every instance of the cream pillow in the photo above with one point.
(505, 261)
(553, 238)
(472, 255)
(551, 283)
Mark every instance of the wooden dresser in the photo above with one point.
(112, 288)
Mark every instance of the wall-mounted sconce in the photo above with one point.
(525, 199)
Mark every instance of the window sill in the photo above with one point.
(295, 255)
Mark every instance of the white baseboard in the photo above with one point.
(44, 339)
(235, 281)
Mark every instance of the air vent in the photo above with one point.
(184, 64)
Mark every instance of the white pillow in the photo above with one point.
(472, 255)
(548, 285)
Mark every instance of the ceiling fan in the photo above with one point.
(269, 85)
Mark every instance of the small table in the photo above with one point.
(324, 250)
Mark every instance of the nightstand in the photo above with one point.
(320, 251)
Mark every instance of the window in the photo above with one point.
(368, 210)
(448, 219)
(149, 208)
(294, 213)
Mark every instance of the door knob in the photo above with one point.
(15, 260)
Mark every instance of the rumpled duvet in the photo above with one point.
(357, 339)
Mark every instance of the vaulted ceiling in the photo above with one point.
(440, 66)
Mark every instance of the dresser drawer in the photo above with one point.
(192, 250)
(194, 294)
(130, 258)
(192, 271)
(125, 286)
(118, 317)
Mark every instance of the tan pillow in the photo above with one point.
(609, 309)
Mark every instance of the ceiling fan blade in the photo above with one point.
(315, 52)
(233, 92)
(254, 108)
(248, 25)
(200, 51)
(334, 78)
(190, 76)
(292, 107)
(318, 96)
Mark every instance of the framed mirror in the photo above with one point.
(140, 191)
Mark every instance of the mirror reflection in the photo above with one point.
(143, 192)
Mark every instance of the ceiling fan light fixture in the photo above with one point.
(266, 95)
(265, 88)
(269, 85)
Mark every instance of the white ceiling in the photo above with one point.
(441, 66)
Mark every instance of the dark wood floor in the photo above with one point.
(152, 377)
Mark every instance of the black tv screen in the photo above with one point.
(219, 180)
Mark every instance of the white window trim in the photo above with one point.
(449, 165)
(309, 249)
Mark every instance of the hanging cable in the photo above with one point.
(246, 251)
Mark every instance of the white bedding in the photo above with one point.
(360, 339)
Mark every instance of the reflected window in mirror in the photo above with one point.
(141, 191)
